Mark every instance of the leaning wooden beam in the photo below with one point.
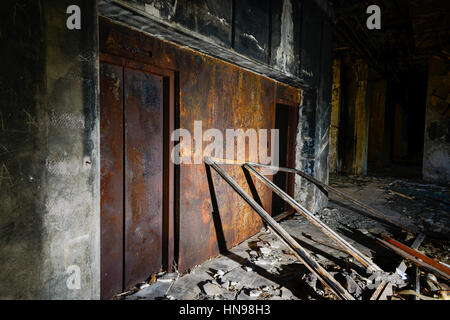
(364, 260)
(285, 237)
(366, 208)
(416, 257)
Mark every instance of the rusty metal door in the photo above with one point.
(131, 127)
(143, 175)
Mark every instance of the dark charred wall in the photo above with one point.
(285, 36)
(49, 212)
(315, 110)
(210, 18)
(222, 96)
(251, 34)
(436, 156)
(378, 152)
(266, 31)
(20, 227)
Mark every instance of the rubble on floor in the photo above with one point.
(430, 208)
(263, 268)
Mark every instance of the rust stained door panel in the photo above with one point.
(144, 175)
(222, 96)
(111, 179)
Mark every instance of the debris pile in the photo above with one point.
(276, 265)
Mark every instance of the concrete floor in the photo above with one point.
(263, 268)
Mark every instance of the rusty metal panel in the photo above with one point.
(111, 179)
(143, 182)
(222, 96)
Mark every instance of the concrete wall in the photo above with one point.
(314, 113)
(49, 151)
(436, 157)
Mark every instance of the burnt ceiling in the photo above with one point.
(411, 32)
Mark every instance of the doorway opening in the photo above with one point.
(286, 118)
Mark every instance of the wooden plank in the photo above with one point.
(298, 251)
(364, 260)
(416, 257)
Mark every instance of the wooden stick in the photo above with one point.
(401, 195)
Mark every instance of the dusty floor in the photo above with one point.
(263, 268)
